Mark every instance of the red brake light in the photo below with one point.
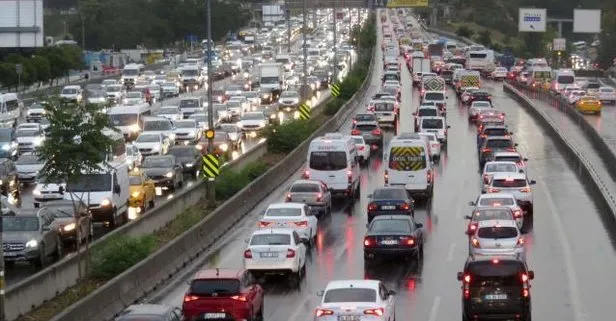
(511, 149)
(319, 196)
(386, 176)
(350, 176)
(372, 207)
(354, 121)
(467, 279)
(355, 132)
(524, 278)
(409, 242)
(190, 298)
(525, 190)
(429, 176)
(495, 261)
(290, 253)
(264, 224)
(361, 148)
(248, 254)
(240, 298)
(517, 214)
(472, 227)
(486, 178)
(377, 312)
(405, 207)
(369, 241)
(288, 197)
(493, 190)
(306, 174)
(525, 293)
(520, 241)
(322, 312)
(301, 224)
(376, 132)
(486, 150)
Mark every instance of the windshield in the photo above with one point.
(481, 104)
(497, 201)
(432, 123)
(114, 88)
(168, 111)
(157, 125)
(69, 91)
(497, 232)
(148, 138)
(190, 72)
(328, 161)
(253, 116)
(289, 94)
(189, 103)
(269, 80)
(390, 226)
(365, 117)
(607, 90)
(28, 160)
(182, 151)
(502, 167)
(427, 112)
(284, 212)
(365, 127)
(207, 287)
(135, 180)
(566, 79)
(228, 128)
(478, 55)
(27, 132)
(271, 239)
(499, 143)
(5, 135)
(158, 162)
(90, 182)
(383, 107)
(20, 224)
(95, 94)
(434, 96)
(485, 274)
(198, 117)
(185, 124)
(514, 159)
(130, 72)
(305, 188)
(134, 94)
(350, 295)
(123, 119)
(495, 132)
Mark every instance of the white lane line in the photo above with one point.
(576, 301)
(300, 309)
(452, 248)
(340, 252)
(434, 310)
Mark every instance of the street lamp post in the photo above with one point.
(335, 71)
(211, 193)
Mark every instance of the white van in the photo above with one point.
(116, 152)
(286, 61)
(333, 160)
(435, 125)
(10, 108)
(131, 73)
(129, 119)
(108, 193)
(408, 164)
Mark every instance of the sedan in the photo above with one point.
(142, 192)
(607, 95)
(152, 144)
(367, 299)
(589, 104)
(496, 237)
(165, 171)
(574, 96)
(499, 73)
(134, 98)
(189, 157)
(28, 166)
(187, 131)
(393, 236)
(390, 201)
(363, 149)
(370, 130)
(292, 215)
(476, 108)
(29, 137)
(313, 193)
(65, 214)
(234, 133)
(173, 113)
(276, 251)
(253, 121)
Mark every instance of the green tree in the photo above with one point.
(485, 38)
(465, 32)
(43, 69)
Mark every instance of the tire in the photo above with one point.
(357, 193)
(59, 253)
(259, 316)
(41, 260)
(328, 211)
(151, 202)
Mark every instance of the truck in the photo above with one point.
(192, 77)
(433, 84)
(467, 79)
(271, 80)
(436, 50)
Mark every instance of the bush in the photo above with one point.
(119, 254)
(282, 139)
(332, 106)
(230, 182)
(464, 31)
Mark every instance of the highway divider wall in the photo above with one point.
(578, 161)
(150, 274)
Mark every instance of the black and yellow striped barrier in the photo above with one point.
(211, 166)
(335, 89)
(304, 111)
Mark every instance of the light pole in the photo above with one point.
(335, 71)
(305, 89)
(288, 17)
(211, 193)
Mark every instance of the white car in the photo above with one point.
(501, 200)
(276, 251)
(235, 109)
(476, 108)
(435, 145)
(201, 119)
(170, 89)
(108, 82)
(607, 95)
(499, 73)
(152, 144)
(253, 98)
(492, 167)
(72, 93)
(133, 156)
(568, 89)
(252, 121)
(47, 190)
(516, 184)
(173, 113)
(187, 131)
(156, 92)
(159, 80)
(575, 95)
(28, 167)
(244, 103)
(134, 98)
(365, 300)
(363, 149)
(35, 112)
(114, 93)
(29, 137)
(515, 157)
(159, 125)
(96, 97)
(496, 237)
(296, 216)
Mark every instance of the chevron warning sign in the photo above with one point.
(304, 111)
(211, 166)
(335, 89)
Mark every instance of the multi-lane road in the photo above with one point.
(570, 251)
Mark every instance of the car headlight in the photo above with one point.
(239, 124)
(169, 175)
(6, 147)
(273, 116)
(32, 243)
(134, 128)
(155, 148)
(189, 164)
(135, 194)
(36, 192)
(224, 147)
(38, 141)
(69, 227)
(199, 147)
(266, 95)
(105, 202)
(172, 136)
(262, 123)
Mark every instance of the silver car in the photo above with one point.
(313, 193)
(496, 237)
(493, 167)
(500, 200)
(516, 184)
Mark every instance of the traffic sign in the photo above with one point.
(559, 44)
(532, 20)
(335, 89)
(211, 166)
(304, 111)
(18, 69)
(210, 134)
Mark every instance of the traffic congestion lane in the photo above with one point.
(605, 123)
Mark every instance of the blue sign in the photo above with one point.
(532, 18)
(192, 38)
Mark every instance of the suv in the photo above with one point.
(496, 287)
(9, 181)
(493, 144)
(224, 294)
(30, 236)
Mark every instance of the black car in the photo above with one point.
(8, 142)
(364, 117)
(9, 181)
(188, 156)
(479, 96)
(393, 236)
(493, 144)
(390, 201)
(496, 287)
(221, 145)
(491, 130)
(150, 312)
(165, 171)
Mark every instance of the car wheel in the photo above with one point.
(40, 261)
(259, 316)
(59, 252)
(151, 202)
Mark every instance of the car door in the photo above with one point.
(249, 284)
(48, 235)
(177, 168)
(388, 301)
(311, 218)
(301, 247)
(327, 195)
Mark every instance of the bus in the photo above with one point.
(562, 78)
(479, 59)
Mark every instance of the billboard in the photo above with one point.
(406, 3)
(586, 21)
(21, 24)
(532, 20)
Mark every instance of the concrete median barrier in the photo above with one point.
(149, 275)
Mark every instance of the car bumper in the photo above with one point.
(419, 188)
(389, 252)
(47, 198)
(166, 182)
(373, 214)
(490, 252)
(365, 154)
(283, 267)
(20, 256)
(26, 178)
(102, 214)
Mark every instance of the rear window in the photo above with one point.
(328, 161)
(365, 128)
(436, 123)
(495, 131)
(424, 112)
(222, 287)
(407, 158)
(488, 273)
(358, 140)
(271, 239)
(515, 183)
(499, 143)
(593, 85)
(389, 194)
(365, 117)
(507, 158)
(495, 214)
(497, 232)
(607, 90)
(305, 188)
(277, 212)
(350, 295)
(499, 168)
(390, 226)
(434, 96)
(495, 201)
(383, 107)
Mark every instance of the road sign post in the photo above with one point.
(532, 20)
(18, 70)
(211, 166)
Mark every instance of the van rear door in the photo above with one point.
(332, 167)
(496, 290)
(407, 165)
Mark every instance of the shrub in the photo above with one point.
(230, 182)
(349, 86)
(282, 139)
(254, 170)
(119, 254)
(464, 31)
(332, 106)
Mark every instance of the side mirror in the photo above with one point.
(418, 225)
(448, 126)
(531, 275)
(61, 189)
(391, 292)
(320, 293)
(467, 217)
(460, 276)
(525, 159)
(117, 189)
(414, 113)
(471, 203)
(532, 182)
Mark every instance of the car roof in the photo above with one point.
(367, 122)
(498, 137)
(308, 181)
(509, 175)
(433, 117)
(427, 107)
(345, 284)
(496, 195)
(390, 188)
(392, 217)
(273, 231)
(286, 205)
(218, 273)
(503, 223)
(146, 309)
(505, 154)
(501, 257)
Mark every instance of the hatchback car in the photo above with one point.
(313, 193)
(496, 237)
(370, 130)
(150, 312)
(356, 300)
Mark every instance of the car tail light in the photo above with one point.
(429, 176)
(288, 197)
(467, 279)
(306, 174)
(322, 312)
(475, 243)
(493, 190)
(264, 224)
(524, 277)
(355, 132)
(301, 224)
(377, 312)
(376, 132)
(349, 176)
(511, 149)
(354, 121)
(486, 178)
(525, 190)
(386, 175)
(467, 293)
(190, 298)
(319, 197)
(248, 254)
(472, 227)
(372, 207)
(404, 206)
(361, 148)
(486, 150)
(241, 298)
(369, 241)
(517, 214)
(290, 253)
(409, 241)
(525, 293)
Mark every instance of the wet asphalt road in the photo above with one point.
(569, 249)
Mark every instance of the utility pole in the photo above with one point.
(288, 17)
(335, 71)
(83, 33)
(2, 309)
(305, 89)
(211, 193)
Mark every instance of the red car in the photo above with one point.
(225, 294)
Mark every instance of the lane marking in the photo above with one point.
(434, 310)
(452, 248)
(576, 302)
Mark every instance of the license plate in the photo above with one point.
(281, 224)
(496, 297)
(214, 315)
(348, 318)
(432, 131)
(10, 254)
(268, 254)
(389, 242)
(388, 207)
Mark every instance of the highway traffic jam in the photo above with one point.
(160, 117)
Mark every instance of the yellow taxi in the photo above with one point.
(588, 104)
(142, 193)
